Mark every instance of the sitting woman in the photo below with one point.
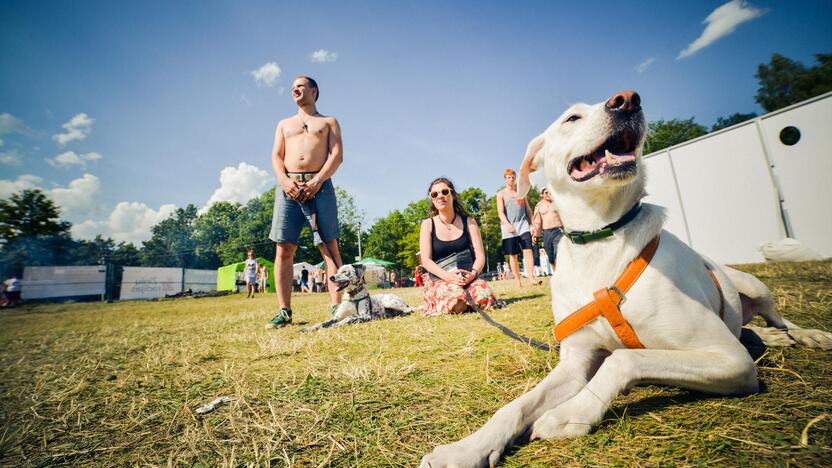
(451, 239)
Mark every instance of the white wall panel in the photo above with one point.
(148, 283)
(661, 190)
(803, 171)
(200, 280)
(728, 196)
(43, 282)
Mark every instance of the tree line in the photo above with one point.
(32, 233)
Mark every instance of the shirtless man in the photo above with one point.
(307, 151)
(546, 220)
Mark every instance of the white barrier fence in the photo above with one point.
(43, 282)
(150, 283)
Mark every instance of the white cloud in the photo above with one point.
(720, 23)
(323, 55)
(240, 184)
(10, 158)
(23, 182)
(71, 158)
(11, 124)
(77, 200)
(643, 66)
(267, 74)
(78, 128)
(128, 222)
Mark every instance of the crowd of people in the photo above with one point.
(307, 152)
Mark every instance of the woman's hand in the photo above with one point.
(463, 277)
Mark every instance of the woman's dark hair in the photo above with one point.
(458, 208)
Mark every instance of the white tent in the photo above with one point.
(731, 191)
(297, 267)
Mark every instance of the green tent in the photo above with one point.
(375, 261)
(227, 275)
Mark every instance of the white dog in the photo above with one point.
(671, 316)
(357, 305)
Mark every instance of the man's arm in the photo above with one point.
(336, 157)
(278, 154)
(501, 212)
(537, 223)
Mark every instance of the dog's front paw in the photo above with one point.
(812, 338)
(460, 455)
(573, 418)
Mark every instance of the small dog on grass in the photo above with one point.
(357, 305)
(633, 304)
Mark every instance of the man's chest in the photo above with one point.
(306, 132)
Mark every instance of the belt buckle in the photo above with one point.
(620, 294)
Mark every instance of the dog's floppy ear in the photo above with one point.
(359, 269)
(529, 164)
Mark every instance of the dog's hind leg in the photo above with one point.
(513, 421)
(757, 300)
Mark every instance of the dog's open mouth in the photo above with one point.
(616, 157)
(341, 285)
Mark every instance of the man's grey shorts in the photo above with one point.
(551, 237)
(290, 215)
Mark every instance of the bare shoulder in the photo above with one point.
(472, 222)
(283, 123)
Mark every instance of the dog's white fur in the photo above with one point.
(673, 307)
(357, 305)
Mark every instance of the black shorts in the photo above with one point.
(515, 245)
(551, 237)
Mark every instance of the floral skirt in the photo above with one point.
(441, 297)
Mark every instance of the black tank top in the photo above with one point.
(441, 249)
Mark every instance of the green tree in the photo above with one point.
(92, 252)
(784, 81)
(171, 244)
(30, 214)
(31, 233)
(733, 119)
(126, 254)
(663, 134)
(211, 229)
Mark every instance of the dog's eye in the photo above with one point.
(572, 118)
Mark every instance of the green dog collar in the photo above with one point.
(585, 237)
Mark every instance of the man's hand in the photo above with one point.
(510, 229)
(309, 189)
(291, 188)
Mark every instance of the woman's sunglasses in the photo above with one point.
(444, 191)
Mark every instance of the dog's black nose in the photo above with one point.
(332, 278)
(625, 102)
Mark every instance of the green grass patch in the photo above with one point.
(118, 384)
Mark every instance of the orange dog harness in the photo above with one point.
(608, 302)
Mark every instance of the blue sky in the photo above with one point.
(122, 111)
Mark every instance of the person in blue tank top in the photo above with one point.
(514, 216)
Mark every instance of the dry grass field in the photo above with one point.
(118, 384)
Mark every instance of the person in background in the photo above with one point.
(393, 278)
(418, 281)
(304, 280)
(546, 221)
(11, 292)
(514, 216)
(450, 231)
(251, 273)
(318, 278)
(264, 278)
